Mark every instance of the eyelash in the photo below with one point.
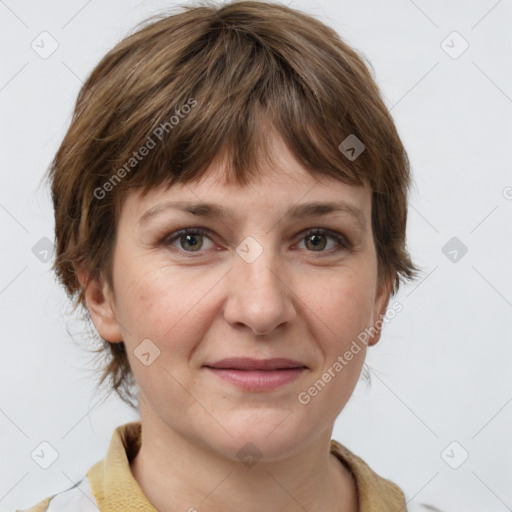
(342, 241)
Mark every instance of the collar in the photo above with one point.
(375, 493)
(115, 487)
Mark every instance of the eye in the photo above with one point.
(191, 237)
(190, 240)
(316, 240)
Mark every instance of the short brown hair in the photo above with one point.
(236, 67)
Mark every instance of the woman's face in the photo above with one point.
(256, 285)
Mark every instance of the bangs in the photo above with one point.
(224, 97)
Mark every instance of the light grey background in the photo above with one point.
(442, 370)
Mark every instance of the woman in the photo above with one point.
(230, 206)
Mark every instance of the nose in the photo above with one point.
(259, 296)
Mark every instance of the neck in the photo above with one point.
(177, 474)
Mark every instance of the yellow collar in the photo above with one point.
(115, 488)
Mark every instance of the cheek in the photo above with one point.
(340, 309)
(164, 305)
(139, 302)
(342, 305)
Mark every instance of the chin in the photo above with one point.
(267, 435)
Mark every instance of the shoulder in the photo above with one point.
(77, 497)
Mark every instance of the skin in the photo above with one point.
(294, 301)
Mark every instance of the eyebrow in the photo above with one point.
(300, 211)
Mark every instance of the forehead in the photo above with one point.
(274, 189)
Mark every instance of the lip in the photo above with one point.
(249, 363)
(257, 374)
(258, 380)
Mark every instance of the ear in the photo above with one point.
(100, 303)
(384, 289)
